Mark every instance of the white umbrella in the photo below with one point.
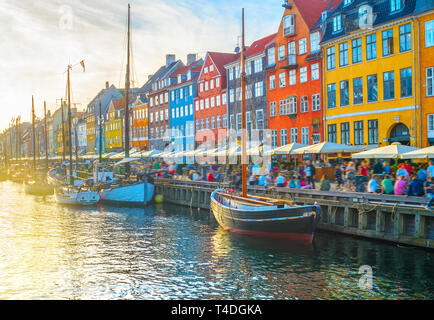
(393, 151)
(286, 150)
(328, 147)
(419, 154)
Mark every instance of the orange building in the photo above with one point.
(140, 125)
(294, 65)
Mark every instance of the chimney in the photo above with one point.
(191, 58)
(107, 85)
(170, 58)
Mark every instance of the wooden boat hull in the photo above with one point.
(131, 195)
(297, 223)
(39, 190)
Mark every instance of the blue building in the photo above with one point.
(181, 96)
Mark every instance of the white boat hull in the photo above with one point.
(131, 195)
(82, 198)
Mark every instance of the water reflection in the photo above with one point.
(170, 252)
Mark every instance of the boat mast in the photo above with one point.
(127, 90)
(243, 113)
(63, 132)
(33, 134)
(71, 179)
(45, 135)
(100, 132)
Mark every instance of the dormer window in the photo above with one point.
(189, 75)
(396, 5)
(365, 16)
(347, 2)
(179, 78)
(337, 23)
(324, 16)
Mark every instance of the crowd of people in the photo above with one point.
(381, 177)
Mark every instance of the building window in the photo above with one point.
(429, 33)
(292, 77)
(372, 88)
(273, 138)
(281, 53)
(314, 42)
(271, 56)
(357, 90)
(387, 42)
(337, 23)
(303, 74)
(259, 89)
(332, 133)
(406, 83)
(212, 122)
(371, 47)
(305, 135)
(431, 123)
(231, 95)
(284, 107)
(314, 71)
(273, 111)
(231, 76)
(293, 105)
(372, 131)
(357, 50)
(358, 133)
(430, 81)
(344, 93)
(389, 85)
(304, 104)
(405, 38)
(258, 65)
(289, 24)
(219, 122)
(294, 135)
(282, 80)
(345, 133)
(331, 96)
(302, 46)
(249, 91)
(272, 81)
(225, 121)
(316, 102)
(331, 58)
(343, 54)
(395, 5)
(259, 119)
(283, 137)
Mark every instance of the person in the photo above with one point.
(363, 169)
(429, 189)
(408, 167)
(269, 180)
(261, 181)
(400, 186)
(280, 181)
(310, 173)
(325, 183)
(351, 174)
(292, 182)
(402, 171)
(386, 168)
(172, 169)
(387, 185)
(297, 182)
(378, 168)
(252, 180)
(195, 176)
(422, 174)
(415, 188)
(211, 177)
(338, 176)
(430, 169)
(373, 186)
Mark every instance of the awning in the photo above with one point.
(395, 150)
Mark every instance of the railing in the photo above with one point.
(289, 62)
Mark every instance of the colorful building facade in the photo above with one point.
(371, 71)
(210, 107)
(113, 126)
(294, 75)
(139, 114)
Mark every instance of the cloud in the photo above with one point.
(40, 38)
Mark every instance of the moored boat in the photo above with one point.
(136, 194)
(266, 219)
(77, 197)
(38, 188)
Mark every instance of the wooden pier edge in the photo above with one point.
(395, 219)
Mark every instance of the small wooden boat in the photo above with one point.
(266, 219)
(137, 194)
(77, 197)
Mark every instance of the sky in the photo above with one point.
(40, 38)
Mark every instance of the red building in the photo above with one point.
(210, 111)
(294, 73)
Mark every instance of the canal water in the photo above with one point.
(168, 252)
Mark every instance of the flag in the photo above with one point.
(82, 64)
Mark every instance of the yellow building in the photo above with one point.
(114, 126)
(425, 20)
(371, 90)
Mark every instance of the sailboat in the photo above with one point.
(69, 193)
(259, 216)
(128, 194)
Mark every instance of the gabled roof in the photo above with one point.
(220, 59)
(311, 10)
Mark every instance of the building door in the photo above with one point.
(400, 133)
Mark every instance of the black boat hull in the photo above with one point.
(292, 223)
